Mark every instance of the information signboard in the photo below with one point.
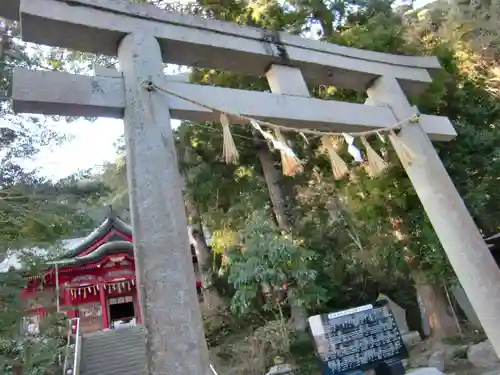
(358, 339)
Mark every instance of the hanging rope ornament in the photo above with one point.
(290, 162)
(229, 150)
(339, 166)
(406, 155)
(376, 165)
(351, 148)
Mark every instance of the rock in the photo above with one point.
(437, 360)
(482, 355)
(411, 338)
(280, 369)
(405, 363)
(420, 361)
(448, 352)
(459, 352)
(425, 371)
(398, 312)
(491, 372)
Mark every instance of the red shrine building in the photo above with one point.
(95, 281)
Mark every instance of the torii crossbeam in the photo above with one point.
(143, 37)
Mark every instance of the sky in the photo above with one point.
(92, 144)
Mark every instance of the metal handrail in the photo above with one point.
(78, 349)
(73, 352)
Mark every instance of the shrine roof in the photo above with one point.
(112, 236)
(110, 224)
(109, 248)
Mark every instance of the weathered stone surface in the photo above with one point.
(465, 248)
(420, 360)
(399, 313)
(192, 41)
(482, 355)
(488, 372)
(464, 302)
(175, 340)
(280, 369)
(425, 371)
(437, 360)
(437, 354)
(78, 95)
(10, 9)
(411, 338)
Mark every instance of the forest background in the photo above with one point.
(334, 243)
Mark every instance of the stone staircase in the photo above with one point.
(115, 352)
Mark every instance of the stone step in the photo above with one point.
(111, 353)
(114, 361)
(138, 361)
(119, 331)
(114, 340)
(112, 346)
(110, 356)
(96, 352)
(114, 358)
(114, 352)
(117, 371)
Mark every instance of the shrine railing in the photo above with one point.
(73, 348)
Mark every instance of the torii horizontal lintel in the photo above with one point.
(97, 26)
(67, 94)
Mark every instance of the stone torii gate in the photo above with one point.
(143, 37)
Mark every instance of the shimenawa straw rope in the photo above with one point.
(291, 164)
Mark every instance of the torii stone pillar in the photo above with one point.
(170, 310)
(468, 253)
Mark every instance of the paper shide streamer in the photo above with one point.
(331, 142)
(330, 145)
(290, 162)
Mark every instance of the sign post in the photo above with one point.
(352, 341)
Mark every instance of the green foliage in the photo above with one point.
(268, 257)
(37, 353)
(33, 213)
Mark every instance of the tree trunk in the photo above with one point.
(210, 294)
(273, 177)
(297, 312)
(277, 196)
(441, 321)
(18, 369)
